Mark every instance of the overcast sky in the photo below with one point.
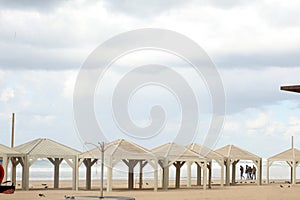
(255, 46)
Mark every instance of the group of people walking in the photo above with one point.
(250, 172)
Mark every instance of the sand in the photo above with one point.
(241, 191)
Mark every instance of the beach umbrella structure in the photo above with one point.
(210, 154)
(54, 152)
(177, 155)
(127, 152)
(8, 154)
(233, 155)
(291, 156)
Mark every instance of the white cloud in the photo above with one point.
(231, 126)
(69, 83)
(239, 34)
(293, 127)
(43, 120)
(260, 122)
(7, 94)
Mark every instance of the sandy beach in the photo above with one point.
(240, 191)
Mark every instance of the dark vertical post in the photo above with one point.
(198, 174)
(102, 168)
(12, 131)
(141, 175)
(209, 174)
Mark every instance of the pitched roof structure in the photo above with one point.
(236, 153)
(4, 150)
(205, 151)
(121, 149)
(46, 148)
(288, 155)
(176, 152)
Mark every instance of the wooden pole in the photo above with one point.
(13, 130)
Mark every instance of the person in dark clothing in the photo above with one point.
(250, 172)
(254, 173)
(242, 172)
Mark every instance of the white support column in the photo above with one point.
(109, 178)
(161, 176)
(26, 173)
(166, 174)
(5, 164)
(204, 167)
(189, 173)
(222, 173)
(156, 176)
(228, 163)
(268, 171)
(76, 173)
(259, 171)
(75, 177)
(294, 172)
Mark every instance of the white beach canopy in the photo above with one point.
(291, 156)
(128, 152)
(7, 154)
(210, 154)
(54, 152)
(233, 155)
(178, 155)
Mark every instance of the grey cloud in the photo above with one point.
(37, 5)
(258, 59)
(252, 88)
(142, 8)
(24, 57)
(228, 3)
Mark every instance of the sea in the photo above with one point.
(42, 169)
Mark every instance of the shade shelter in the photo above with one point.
(291, 156)
(130, 153)
(54, 152)
(178, 155)
(211, 155)
(233, 155)
(8, 154)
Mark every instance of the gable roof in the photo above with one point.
(4, 150)
(46, 148)
(175, 152)
(120, 149)
(288, 155)
(205, 151)
(236, 153)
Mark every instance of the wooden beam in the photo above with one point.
(130, 164)
(198, 174)
(56, 162)
(178, 165)
(292, 88)
(88, 176)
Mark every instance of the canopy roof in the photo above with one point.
(292, 88)
(205, 151)
(120, 149)
(4, 150)
(176, 152)
(236, 153)
(46, 148)
(288, 155)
